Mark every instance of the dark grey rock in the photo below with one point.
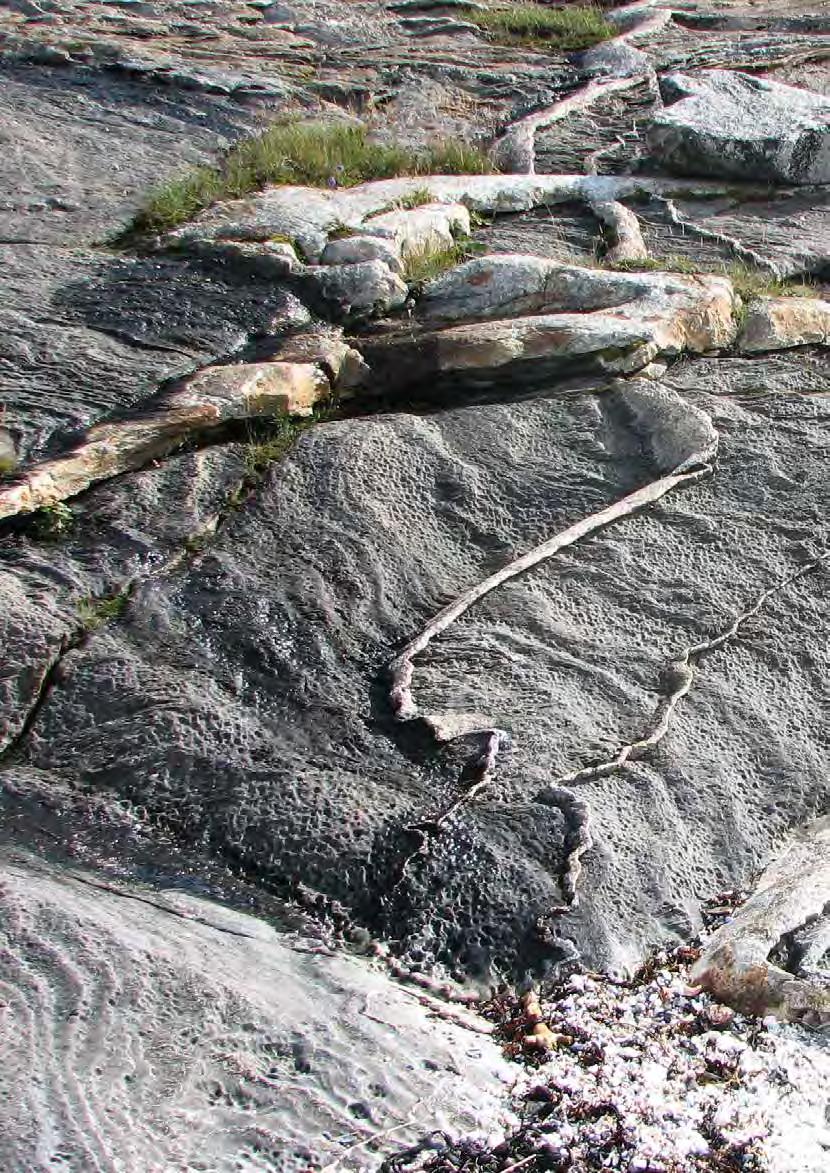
(113, 537)
(243, 703)
(724, 123)
(86, 334)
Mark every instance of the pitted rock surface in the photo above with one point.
(236, 686)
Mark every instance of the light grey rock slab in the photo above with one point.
(168, 1031)
(501, 285)
(352, 250)
(614, 59)
(719, 122)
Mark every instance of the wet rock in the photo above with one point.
(734, 124)
(776, 323)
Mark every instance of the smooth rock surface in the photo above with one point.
(188, 1035)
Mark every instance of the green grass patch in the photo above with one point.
(269, 443)
(672, 264)
(95, 612)
(342, 232)
(428, 262)
(8, 466)
(53, 522)
(412, 199)
(750, 282)
(308, 154)
(541, 27)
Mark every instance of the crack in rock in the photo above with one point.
(679, 435)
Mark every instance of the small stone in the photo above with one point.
(718, 1015)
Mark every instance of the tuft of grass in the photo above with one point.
(428, 262)
(341, 231)
(406, 203)
(8, 466)
(95, 612)
(453, 157)
(52, 522)
(541, 27)
(264, 447)
(673, 264)
(262, 450)
(750, 283)
(307, 154)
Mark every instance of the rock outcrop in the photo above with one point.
(774, 323)
(417, 585)
(722, 123)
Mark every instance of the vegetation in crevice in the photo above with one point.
(538, 26)
(52, 522)
(94, 612)
(429, 261)
(271, 442)
(305, 153)
(405, 203)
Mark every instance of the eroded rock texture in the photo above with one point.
(200, 600)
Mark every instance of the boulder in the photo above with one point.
(717, 122)
(792, 892)
(615, 59)
(776, 323)
(353, 250)
(345, 366)
(359, 290)
(512, 283)
(570, 317)
(427, 228)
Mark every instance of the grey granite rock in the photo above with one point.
(614, 59)
(201, 1037)
(717, 122)
(242, 702)
(357, 290)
